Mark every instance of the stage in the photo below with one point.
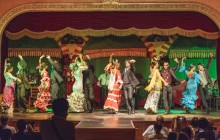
(140, 115)
(121, 124)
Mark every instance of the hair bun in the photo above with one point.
(191, 65)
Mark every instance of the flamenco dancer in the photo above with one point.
(206, 78)
(9, 89)
(76, 98)
(129, 83)
(43, 96)
(89, 80)
(22, 86)
(189, 96)
(154, 88)
(114, 86)
(169, 76)
(55, 79)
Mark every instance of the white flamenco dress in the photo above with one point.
(76, 99)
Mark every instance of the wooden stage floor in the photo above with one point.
(100, 124)
(99, 114)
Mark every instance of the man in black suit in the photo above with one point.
(129, 83)
(23, 85)
(89, 79)
(169, 76)
(55, 79)
(205, 81)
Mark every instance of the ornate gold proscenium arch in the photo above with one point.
(107, 5)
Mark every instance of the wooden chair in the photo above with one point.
(33, 95)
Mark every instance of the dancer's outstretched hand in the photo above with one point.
(88, 57)
(120, 87)
(42, 56)
(183, 81)
(184, 58)
(211, 55)
(166, 84)
(48, 56)
(20, 56)
(176, 60)
(19, 80)
(132, 61)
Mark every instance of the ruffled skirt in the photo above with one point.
(151, 104)
(42, 101)
(76, 102)
(113, 100)
(8, 99)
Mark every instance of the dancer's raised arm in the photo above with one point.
(22, 62)
(110, 59)
(5, 66)
(183, 67)
(184, 58)
(81, 59)
(40, 59)
(177, 64)
(210, 61)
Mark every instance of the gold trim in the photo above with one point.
(122, 52)
(34, 52)
(191, 53)
(110, 1)
(111, 31)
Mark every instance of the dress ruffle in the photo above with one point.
(152, 101)
(189, 100)
(76, 102)
(42, 101)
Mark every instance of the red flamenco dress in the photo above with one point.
(114, 94)
(43, 96)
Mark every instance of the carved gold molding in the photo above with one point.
(110, 1)
(111, 31)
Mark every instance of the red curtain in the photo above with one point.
(4, 55)
(53, 21)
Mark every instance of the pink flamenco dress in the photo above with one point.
(7, 103)
(43, 96)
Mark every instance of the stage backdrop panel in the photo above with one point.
(197, 50)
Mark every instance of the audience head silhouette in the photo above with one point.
(203, 123)
(157, 127)
(160, 119)
(60, 107)
(172, 136)
(21, 125)
(5, 134)
(4, 120)
(182, 136)
(194, 122)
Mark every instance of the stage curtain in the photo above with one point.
(218, 58)
(4, 55)
(42, 24)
